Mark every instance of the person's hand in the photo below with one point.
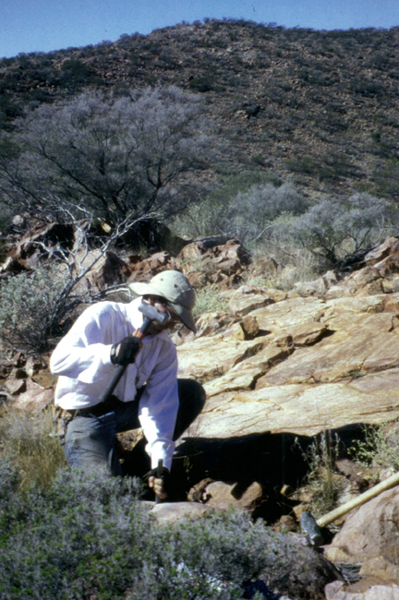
(159, 483)
(124, 352)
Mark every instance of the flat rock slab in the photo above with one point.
(315, 364)
(208, 358)
(300, 408)
(365, 590)
(337, 357)
(289, 312)
(173, 512)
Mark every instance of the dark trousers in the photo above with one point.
(90, 440)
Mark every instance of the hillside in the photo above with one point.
(319, 108)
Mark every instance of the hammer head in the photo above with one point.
(152, 314)
(311, 529)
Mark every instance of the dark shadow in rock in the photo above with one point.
(272, 460)
(262, 333)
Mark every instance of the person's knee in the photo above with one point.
(192, 390)
(191, 402)
(198, 394)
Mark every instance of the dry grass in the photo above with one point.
(30, 441)
(324, 484)
(209, 300)
(380, 446)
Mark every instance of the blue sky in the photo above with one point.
(45, 25)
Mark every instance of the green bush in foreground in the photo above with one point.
(90, 537)
(80, 533)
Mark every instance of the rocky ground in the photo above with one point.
(284, 372)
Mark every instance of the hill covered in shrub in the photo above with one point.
(319, 108)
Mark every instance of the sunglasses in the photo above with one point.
(173, 317)
(155, 299)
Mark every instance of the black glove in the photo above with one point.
(164, 473)
(124, 352)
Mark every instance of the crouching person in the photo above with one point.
(147, 395)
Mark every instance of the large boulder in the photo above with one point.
(370, 535)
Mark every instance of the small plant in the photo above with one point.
(379, 447)
(303, 268)
(289, 265)
(209, 300)
(322, 480)
(261, 280)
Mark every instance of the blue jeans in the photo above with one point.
(90, 441)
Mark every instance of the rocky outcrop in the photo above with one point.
(279, 368)
(39, 243)
(207, 261)
(213, 260)
(315, 363)
(27, 383)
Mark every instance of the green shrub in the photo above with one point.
(28, 309)
(338, 228)
(208, 558)
(90, 536)
(250, 214)
(212, 215)
(84, 533)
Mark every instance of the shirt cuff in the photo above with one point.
(161, 450)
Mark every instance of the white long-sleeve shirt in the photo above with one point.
(82, 360)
